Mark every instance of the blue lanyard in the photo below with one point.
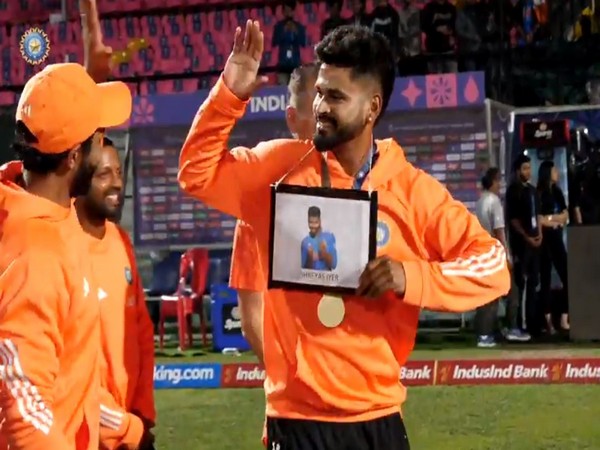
(361, 176)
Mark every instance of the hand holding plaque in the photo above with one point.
(382, 275)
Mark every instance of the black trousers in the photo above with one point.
(526, 271)
(553, 253)
(386, 433)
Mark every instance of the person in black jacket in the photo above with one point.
(438, 21)
(555, 215)
(525, 239)
(360, 17)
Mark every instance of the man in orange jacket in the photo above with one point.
(49, 330)
(331, 386)
(127, 410)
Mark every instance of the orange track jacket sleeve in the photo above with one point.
(143, 400)
(32, 310)
(237, 181)
(118, 428)
(474, 263)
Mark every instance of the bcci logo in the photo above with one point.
(34, 46)
(383, 234)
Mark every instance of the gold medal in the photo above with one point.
(331, 310)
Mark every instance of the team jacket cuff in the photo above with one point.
(225, 101)
(414, 273)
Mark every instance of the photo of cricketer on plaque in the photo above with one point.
(339, 243)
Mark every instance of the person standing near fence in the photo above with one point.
(525, 237)
(331, 386)
(490, 213)
(555, 215)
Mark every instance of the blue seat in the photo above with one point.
(178, 85)
(196, 23)
(108, 29)
(165, 279)
(129, 27)
(215, 274)
(62, 32)
(123, 68)
(218, 20)
(148, 65)
(165, 276)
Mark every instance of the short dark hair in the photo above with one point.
(490, 176)
(363, 51)
(107, 142)
(314, 211)
(36, 161)
(300, 78)
(521, 159)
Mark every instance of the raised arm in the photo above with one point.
(96, 56)
(234, 182)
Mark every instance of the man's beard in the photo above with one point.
(98, 211)
(339, 136)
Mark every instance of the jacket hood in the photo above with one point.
(391, 162)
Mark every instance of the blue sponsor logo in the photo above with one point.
(187, 376)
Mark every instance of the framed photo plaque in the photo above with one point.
(320, 238)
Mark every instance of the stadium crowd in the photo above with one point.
(162, 46)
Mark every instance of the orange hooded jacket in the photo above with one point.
(49, 330)
(127, 335)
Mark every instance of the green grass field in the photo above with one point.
(548, 417)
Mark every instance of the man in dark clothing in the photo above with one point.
(385, 20)
(335, 18)
(288, 36)
(438, 20)
(360, 16)
(525, 238)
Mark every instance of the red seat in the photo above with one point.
(186, 302)
(190, 85)
(131, 5)
(7, 98)
(109, 6)
(153, 4)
